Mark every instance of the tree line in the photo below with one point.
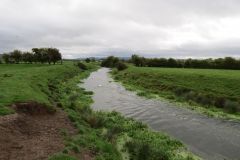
(37, 55)
(219, 63)
(114, 62)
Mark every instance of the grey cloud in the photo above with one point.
(80, 28)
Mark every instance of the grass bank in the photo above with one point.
(31, 82)
(214, 92)
(108, 136)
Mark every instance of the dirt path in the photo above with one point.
(32, 135)
(211, 139)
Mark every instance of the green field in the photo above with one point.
(30, 82)
(210, 88)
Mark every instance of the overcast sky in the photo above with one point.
(158, 28)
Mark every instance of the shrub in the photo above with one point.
(82, 66)
(138, 61)
(220, 102)
(179, 91)
(203, 99)
(190, 95)
(110, 62)
(95, 121)
(231, 106)
(88, 60)
(112, 132)
(121, 66)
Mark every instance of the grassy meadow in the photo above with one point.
(30, 82)
(212, 89)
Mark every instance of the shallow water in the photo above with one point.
(209, 138)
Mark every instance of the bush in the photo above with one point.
(179, 91)
(110, 62)
(88, 60)
(220, 102)
(82, 66)
(121, 66)
(203, 99)
(231, 106)
(95, 121)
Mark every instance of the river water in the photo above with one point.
(209, 138)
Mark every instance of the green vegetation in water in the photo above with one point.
(107, 136)
(210, 91)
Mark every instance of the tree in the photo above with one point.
(50, 55)
(138, 61)
(172, 63)
(230, 63)
(45, 56)
(27, 57)
(110, 61)
(37, 54)
(88, 60)
(6, 58)
(121, 66)
(219, 63)
(54, 55)
(16, 55)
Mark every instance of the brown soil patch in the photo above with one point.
(84, 155)
(33, 108)
(27, 135)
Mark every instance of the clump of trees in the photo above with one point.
(114, 62)
(38, 55)
(91, 59)
(219, 63)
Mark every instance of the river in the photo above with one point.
(209, 138)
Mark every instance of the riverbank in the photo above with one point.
(207, 137)
(21, 83)
(49, 97)
(108, 135)
(212, 92)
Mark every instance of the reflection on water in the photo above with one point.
(209, 138)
